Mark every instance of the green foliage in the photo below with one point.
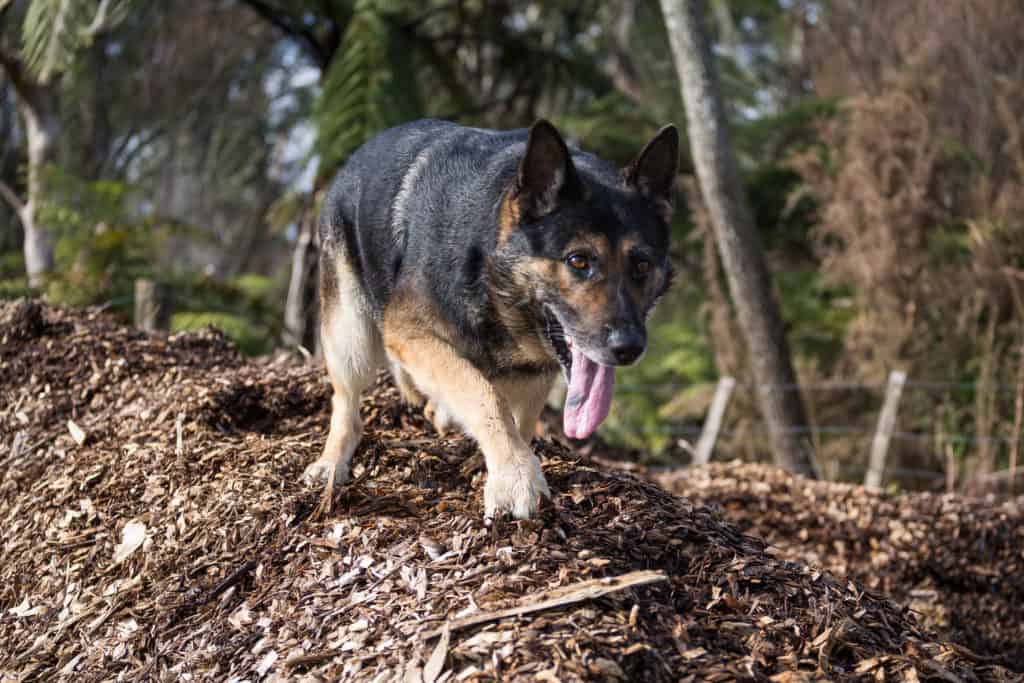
(100, 250)
(13, 283)
(286, 211)
(816, 312)
(949, 244)
(12, 264)
(255, 288)
(245, 308)
(251, 339)
(782, 210)
(369, 86)
(771, 138)
(612, 126)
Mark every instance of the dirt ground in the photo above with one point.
(152, 528)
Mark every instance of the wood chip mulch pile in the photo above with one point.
(958, 561)
(152, 528)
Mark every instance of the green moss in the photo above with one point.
(14, 288)
(253, 286)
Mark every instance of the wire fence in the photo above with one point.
(881, 434)
(871, 430)
(921, 385)
(838, 430)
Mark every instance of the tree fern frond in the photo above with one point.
(43, 35)
(370, 86)
(108, 13)
(286, 210)
(53, 29)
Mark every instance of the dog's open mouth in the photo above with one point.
(590, 384)
(559, 342)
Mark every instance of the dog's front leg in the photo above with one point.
(515, 482)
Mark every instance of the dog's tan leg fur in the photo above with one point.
(526, 397)
(353, 352)
(406, 387)
(437, 415)
(515, 482)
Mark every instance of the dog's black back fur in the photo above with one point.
(447, 203)
(418, 206)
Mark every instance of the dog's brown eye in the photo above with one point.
(578, 262)
(641, 268)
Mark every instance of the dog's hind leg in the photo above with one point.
(526, 396)
(353, 352)
(406, 387)
(438, 416)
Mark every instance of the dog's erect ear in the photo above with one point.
(546, 173)
(653, 172)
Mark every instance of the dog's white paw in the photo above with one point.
(319, 471)
(515, 488)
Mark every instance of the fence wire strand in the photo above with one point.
(688, 432)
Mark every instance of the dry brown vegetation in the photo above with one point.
(921, 178)
(164, 535)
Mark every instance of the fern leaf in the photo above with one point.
(54, 29)
(369, 86)
(43, 36)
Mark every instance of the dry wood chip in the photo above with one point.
(569, 595)
(132, 538)
(436, 662)
(189, 479)
(77, 433)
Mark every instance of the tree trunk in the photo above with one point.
(39, 106)
(299, 310)
(42, 128)
(738, 242)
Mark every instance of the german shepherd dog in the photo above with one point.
(478, 264)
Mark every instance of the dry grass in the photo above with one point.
(921, 179)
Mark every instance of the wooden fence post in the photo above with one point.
(713, 423)
(883, 434)
(1018, 422)
(151, 312)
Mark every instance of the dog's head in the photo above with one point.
(590, 249)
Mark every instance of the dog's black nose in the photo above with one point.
(626, 344)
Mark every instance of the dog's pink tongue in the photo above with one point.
(589, 396)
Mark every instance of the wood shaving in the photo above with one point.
(238, 580)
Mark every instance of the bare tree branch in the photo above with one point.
(53, 50)
(30, 93)
(12, 65)
(99, 22)
(292, 28)
(620, 66)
